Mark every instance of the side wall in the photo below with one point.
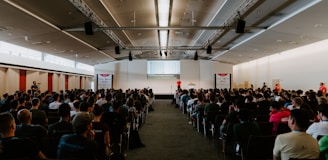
(9, 81)
(133, 74)
(301, 68)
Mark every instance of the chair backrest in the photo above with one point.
(282, 128)
(266, 127)
(259, 147)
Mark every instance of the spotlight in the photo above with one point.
(130, 56)
(165, 53)
(209, 49)
(196, 56)
(240, 27)
(117, 50)
(160, 53)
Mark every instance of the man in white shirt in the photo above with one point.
(320, 128)
(55, 104)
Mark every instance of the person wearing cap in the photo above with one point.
(80, 145)
(320, 128)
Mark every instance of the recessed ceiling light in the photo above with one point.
(37, 43)
(318, 25)
(279, 40)
(48, 42)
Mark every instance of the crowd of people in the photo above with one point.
(88, 125)
(237, 114)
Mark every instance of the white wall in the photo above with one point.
(301, 68)
(133, 74)
(12, 80)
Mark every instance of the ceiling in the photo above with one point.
(57, 27)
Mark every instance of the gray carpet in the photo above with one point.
(168, 136)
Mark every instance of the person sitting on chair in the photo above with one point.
(244, 129)
(13, 147)
(297, 143)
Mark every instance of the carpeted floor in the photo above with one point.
(168, 136)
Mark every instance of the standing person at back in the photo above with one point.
(323, 89)
(297, 143)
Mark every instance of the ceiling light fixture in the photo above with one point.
(163, 20)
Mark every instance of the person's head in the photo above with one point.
(276, 105)
(34, 82)
(76, 105)
(24, 115)
(244, 115)
(117, 105)
(130, 102)
(212, 98)
(323, 110)
(321, 84)
(14, 104)
(322, 100)
(97, 110)
(7, 124)
(55, 97)
(297, 101)
(298, 120)
(64, 110)
(21, 101)
(35, 102)
(82, 122)
(86, 107)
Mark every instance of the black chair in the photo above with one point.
(259, 147)
(266, 127)
(282, 128)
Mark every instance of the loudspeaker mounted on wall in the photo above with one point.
(117, 50)
(196, 56)
(88, 28)
(130, 56)
(240, 27)
(209, 49)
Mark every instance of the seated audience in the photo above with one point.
(56, 102)
(320, 128)
(14, 110)
(323, 145)
(244, 129)
(38, 116)
(64, 125)
(28, 130)
(13, 147)
(297, 143)
(101, 134)
(278, 115)
(80, 145)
